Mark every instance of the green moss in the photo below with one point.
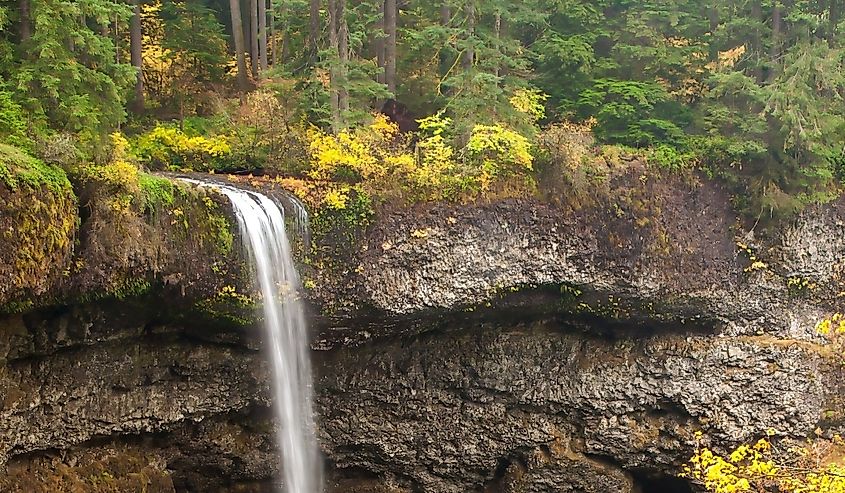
(221, 230)
(17, 307)
(130, 288)
(208, 221)
(156, 192)
(340, 225)
(17, 169)
(38, 220)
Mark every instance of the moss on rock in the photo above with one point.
(38, 223)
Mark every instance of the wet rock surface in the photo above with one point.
(508, 347)
(446, 410)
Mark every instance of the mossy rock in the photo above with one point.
(38, 224)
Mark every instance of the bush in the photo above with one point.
(126, 189)
(60, 149)
(267, 134)
(761, 467)
(167, 147)
(379, 157)
(13, 126)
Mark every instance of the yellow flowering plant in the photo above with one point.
(169, 147)
(379, 158)
(759, 467)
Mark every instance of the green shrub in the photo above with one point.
(13, 126)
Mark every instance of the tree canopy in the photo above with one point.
(749, 90)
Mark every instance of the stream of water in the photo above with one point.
(262, 226)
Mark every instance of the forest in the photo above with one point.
(749, 91)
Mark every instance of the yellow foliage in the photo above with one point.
(753, 467)
(834, 324)
(336, 199)
(378, 156)
(498, 147)
(166, 145)
(530, 102)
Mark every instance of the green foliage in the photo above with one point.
(720, 87)
(633, 113)
(13, 128)
(18, 169)
(186, 54)
(67, 72)
(156, 192)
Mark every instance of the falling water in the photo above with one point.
(262, 227)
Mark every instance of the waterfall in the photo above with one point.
(262, 227)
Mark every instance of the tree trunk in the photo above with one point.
(334, 73)
(774, 50)
(343, 52)
(497, 34)
(116, 40)
(390, 14)
(26, 20)
(756, 44)
(833, 22)
(713, 17)
(445, 51)
(314, 29)
(469, 54)
(379, 44)
(135, 49)
(253, 37)
(262, 34)
(274, 49)
(238, 34)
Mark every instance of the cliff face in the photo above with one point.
(513, 346)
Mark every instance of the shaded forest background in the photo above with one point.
(749, 91)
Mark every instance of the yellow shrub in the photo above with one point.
(530, 102)
(499, 148)
(166, 146)
(379, 157)
(753, 467)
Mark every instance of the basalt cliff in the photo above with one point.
(519, 345)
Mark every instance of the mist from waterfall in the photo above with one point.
(262, 226)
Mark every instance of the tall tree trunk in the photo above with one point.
(273, 45)
(334, 72)
(343, 52)
(469, 54)
(445, 52)
(713, 17)
(390, 14)
(116, 39)
(774, 50)
(313, 29)
(240, 48)
(26, 20)
(379, 44)
(262, 34)
(136, 49)
(497, 34)
(833, 22)
(756, 44)
(253, 37)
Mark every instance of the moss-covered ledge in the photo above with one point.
(108, 234)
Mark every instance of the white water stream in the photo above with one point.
(262, 228)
